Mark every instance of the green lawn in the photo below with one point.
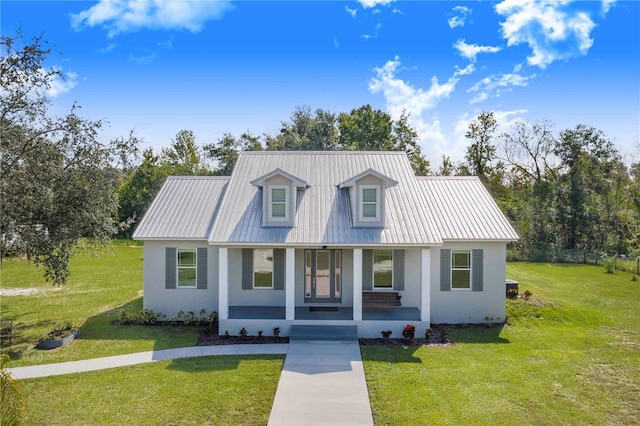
(225, 390)
(575, 360)
(98, 288)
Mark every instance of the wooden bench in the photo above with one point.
(6, 330)
(372, 299)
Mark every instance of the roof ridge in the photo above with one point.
(199, 177)
(322, 152)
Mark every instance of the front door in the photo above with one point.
(323, 276)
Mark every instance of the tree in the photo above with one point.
(366, 129)
(405, 138)
(448, 166)
(57, 181)
(183, 157)
(11, 402)
(481, 153)
(225, 151)
(306, 131)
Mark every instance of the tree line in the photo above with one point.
(61, 187)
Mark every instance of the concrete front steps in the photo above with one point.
(324, 332)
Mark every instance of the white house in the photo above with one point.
(331, 238)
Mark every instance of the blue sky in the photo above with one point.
(230, 66)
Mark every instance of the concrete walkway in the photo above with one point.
(322, 383)
(143, 357)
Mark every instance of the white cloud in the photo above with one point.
(606, 5)
(470, 51)
(400, 95)
(58, 85)
(168, 44)
(108, 48)
(351, 12)
(375, 11)
(495, 86)
(119, 16)
(366, 4)
(335, 42)
(551, 29)
(142, 60)
(460, 19)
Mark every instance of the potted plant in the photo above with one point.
(62, 334)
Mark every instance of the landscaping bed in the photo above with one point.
(437, 337)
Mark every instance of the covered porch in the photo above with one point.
(325, 313)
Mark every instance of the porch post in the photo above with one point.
(357, 284)
(425, 285)
(290, 284)
(223, 284)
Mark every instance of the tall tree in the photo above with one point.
(183, 157)
(57, 181)
(306, 131)
(405, 138)
(366, 129)
(482, 152)
(225, 152)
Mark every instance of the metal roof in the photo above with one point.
(464, 210)
(323, 212)
(185, 208)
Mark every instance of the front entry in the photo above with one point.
(323, 276)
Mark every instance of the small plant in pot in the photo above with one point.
(61, 334)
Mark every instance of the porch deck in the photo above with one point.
(341, 313)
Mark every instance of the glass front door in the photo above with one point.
(323, 276)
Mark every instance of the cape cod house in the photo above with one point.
(331, 238)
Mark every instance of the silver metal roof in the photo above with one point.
(323, 213)
(464, 210)
(185, 208)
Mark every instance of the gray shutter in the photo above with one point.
(279, 269)
(202, 268)
(367, 269)
(477, 271)
(171, 269)
(398, 270)
(445, 270)
(247, 269)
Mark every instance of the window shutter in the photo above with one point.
(279, 269)
(398, 270)
(445, 270)
(367, 269)
(171, 268)
(477, 273)
(247, 269)
(202, 268)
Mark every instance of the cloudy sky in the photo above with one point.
(160, 66)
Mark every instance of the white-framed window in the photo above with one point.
(460, 269)
(187, 268)
(383, 269)
(263, 268)
(278, 201)
(369, 202)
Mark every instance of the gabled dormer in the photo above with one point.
(279, 191)
(367, 196)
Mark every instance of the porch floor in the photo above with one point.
(343, 313)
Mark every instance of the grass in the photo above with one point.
(98, 288)
(571, 359)
(226, 390)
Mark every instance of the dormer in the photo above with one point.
(367, 196)
(279, 190)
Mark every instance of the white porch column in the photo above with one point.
(290, 284)
(223, 283)
(425, 285)
(357, 284)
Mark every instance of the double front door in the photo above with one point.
(323, 276)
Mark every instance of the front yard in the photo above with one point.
(571, 358)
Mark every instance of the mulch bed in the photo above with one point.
(437, 337)
(211, 337)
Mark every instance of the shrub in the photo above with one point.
(609, 265)
(386, 333)
(409, 332)
(427, 333)
(512, 293)
(243, 332)
(259, 333)
(188, 319)
(527, 295)
(276, 331)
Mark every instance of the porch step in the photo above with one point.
(323, 332)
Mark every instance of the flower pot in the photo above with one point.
(56, 343)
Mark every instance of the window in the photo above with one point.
(278, 203)
(369, 203)
(382, 268)
(263, 268)
(461, 269)
(186, 268)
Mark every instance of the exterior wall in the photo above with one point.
(466, 306)
(257, 297)
(411, 296)
(170, 302)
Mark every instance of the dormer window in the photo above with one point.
(370, 202)
(278, 203)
